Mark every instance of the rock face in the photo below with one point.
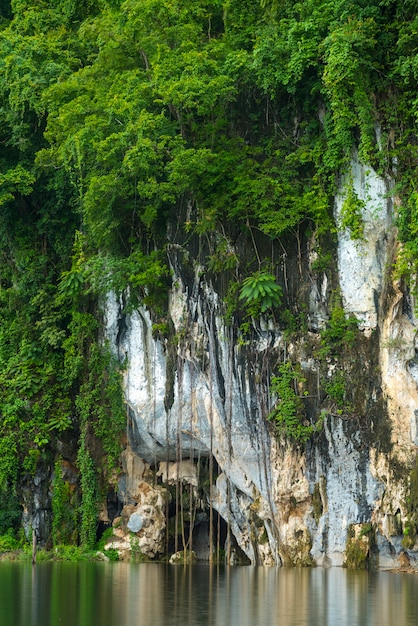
(362, 262)
(204, 398)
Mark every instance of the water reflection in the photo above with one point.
(120, 594)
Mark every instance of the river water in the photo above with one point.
(151, 594)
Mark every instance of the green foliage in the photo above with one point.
(15, 181)
(413, 490)
(356, 556)
(288, 414)
(352, 213)
(71, 282)
(9, 453)
(224, 257)
(136, 554)
(112, 554)
(8, 542)
(10, 511)
(89, 496)
(100, 404)
(410, 530)
(350, 74)
(323, 262)
(231, 301)
(72, 553)
(367, 529)
(262, 290)
(64, 509)
(340, 333)
(407, 222)
(336, 388)
(290, 322)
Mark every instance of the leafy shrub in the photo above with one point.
(341, 332)
(64, 510)
(352, 214)
(112, 554)
(261, 289)
(335, 388)
(72, 553)
(8, 541)
(288, 413)
(10, 511)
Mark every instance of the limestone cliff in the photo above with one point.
(198, 399)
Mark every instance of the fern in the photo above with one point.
(261, 288)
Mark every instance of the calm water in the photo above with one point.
(119, 594)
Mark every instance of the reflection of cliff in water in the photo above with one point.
(77, 594)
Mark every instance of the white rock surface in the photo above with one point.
(362, 263)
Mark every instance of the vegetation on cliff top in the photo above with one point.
(213, 117)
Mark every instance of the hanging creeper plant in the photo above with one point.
(289, 414)
(89, 495)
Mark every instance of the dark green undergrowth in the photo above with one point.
(13, 547)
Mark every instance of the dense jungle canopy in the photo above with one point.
(130, 126)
